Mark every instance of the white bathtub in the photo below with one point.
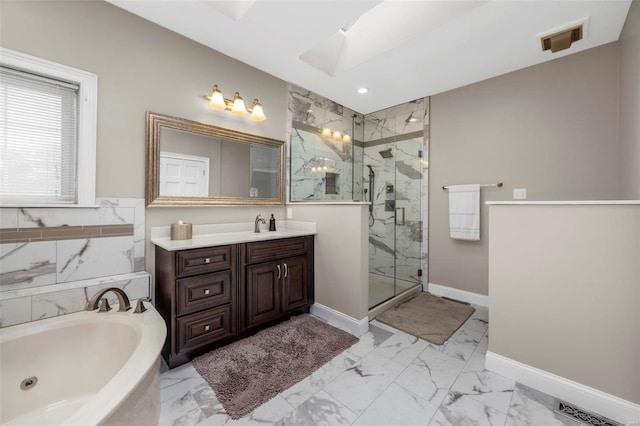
(91, 368)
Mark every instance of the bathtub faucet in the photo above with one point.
(123, 300)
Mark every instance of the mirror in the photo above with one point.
(197, 164)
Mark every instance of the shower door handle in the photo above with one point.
(399, 215)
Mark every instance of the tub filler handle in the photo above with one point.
(123, 300)
(140, 305)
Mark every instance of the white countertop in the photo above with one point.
(230, 233)
(564, 203)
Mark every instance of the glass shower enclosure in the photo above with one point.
(337, 154)
(394, 183)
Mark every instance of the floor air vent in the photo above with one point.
(581, 415)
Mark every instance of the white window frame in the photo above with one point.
(87, 119)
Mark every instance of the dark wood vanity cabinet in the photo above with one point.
(277, 278)
(196, 294)
(212, 296)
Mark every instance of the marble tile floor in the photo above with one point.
(388, 378)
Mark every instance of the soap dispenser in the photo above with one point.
(272, 223)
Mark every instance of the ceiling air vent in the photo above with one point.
(561, 40)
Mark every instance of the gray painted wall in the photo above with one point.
(551, 128)
(630, 105)
(142, 66)
(563, 304)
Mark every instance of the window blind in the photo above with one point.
(38, 139)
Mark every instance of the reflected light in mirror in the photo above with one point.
(238, 105)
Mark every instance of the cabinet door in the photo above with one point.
(295, 290)
(263, 293)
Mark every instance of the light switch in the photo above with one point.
(289, 212)
(520, 194)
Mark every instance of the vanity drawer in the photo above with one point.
(201, 261)
(262, 251)
(203, 291)
(205, 327)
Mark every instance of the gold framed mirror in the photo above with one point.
(196, 164)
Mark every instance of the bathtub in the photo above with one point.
(91, 368)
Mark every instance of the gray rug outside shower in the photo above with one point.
(249, 372)
(428, 317)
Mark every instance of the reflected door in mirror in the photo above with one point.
(183, 175)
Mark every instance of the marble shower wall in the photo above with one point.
(313, 156)
(54, 259)
(396, 244)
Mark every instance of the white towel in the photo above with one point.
(464, 212)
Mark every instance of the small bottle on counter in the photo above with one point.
(272, 223)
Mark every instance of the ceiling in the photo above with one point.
(399, 50)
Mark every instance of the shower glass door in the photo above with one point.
(393, 182)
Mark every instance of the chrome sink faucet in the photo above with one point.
(259, 220)
(123, 300)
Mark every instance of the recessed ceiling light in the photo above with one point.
(309, 111)
(413, 119)
(363, 90)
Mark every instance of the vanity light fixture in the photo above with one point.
(235, 106)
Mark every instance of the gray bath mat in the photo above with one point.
(249, 372)
(428, 317)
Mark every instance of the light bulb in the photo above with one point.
(238, 105)
(337, 135)
(217, 100)
(326, 132)
(346, 138)
(258, 113)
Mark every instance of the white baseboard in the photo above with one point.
(461, 295)
(340, 320)
(590, 399)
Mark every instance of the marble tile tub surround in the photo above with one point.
(64, 251)
(68, 247)
(208, 235)
(36, 303)
(387, 378)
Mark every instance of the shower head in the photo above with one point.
(386, 153)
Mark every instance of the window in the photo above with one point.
(47, 132)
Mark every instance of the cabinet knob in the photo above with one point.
(206, 328)
(206, 291)
(207, 260)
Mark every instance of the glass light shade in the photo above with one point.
(346, 138)
(326, 131)
(337, 135)
(238, 105)
(217, 100)
(258, 113)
